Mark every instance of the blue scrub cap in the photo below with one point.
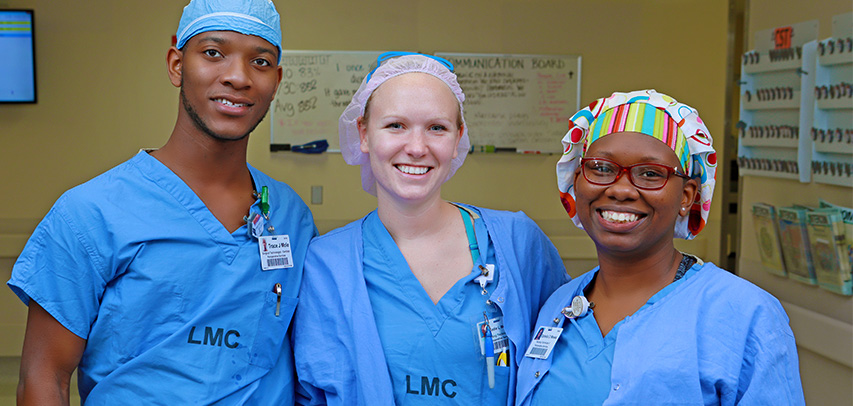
(249, 17)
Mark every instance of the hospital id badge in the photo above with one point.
(543, 342)
(275, 252)
(499, 337)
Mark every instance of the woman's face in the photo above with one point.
(621, 218)
(411, 136)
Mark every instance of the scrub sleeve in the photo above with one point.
(174, 308)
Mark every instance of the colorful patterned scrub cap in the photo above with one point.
(249, 17)
(658, 115)
(392, 64)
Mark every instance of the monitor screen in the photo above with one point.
(18, 62)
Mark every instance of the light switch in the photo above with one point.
(317, 194)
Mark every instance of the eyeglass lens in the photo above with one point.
(643, 175)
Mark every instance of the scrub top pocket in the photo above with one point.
(121, 331)
(271, 331)
(498, 394)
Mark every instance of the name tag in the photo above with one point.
(275, 252)
(543, 342)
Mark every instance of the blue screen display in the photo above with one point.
(17, 64)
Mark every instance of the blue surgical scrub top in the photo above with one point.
(432, 350)
(580, 372)
(175, 309)
(710, 338)
(337, 349)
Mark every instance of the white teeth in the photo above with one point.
(619, 217)
(228, 103)
(413, 170)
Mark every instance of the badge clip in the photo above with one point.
(487, 275)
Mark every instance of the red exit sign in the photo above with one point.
(782, 37)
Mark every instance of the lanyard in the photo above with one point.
(487, 274)
(467, 218)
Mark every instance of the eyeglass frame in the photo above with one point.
(671, 170)
(388, 55)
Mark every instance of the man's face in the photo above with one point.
(227, 82)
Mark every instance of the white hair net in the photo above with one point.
(348, 123)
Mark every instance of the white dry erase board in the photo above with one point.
(514, 102)
(520, 102)
(315, 88)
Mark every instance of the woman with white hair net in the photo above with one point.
(650, 324)
(422, 300)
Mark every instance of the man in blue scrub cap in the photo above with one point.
(172, 278)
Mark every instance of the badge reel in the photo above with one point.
(579, 308)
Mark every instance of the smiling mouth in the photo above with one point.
(619, 217)
(230, 104)
(413, 170)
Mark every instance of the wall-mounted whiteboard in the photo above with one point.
(515, 102)
(315, 88)
(518, 101)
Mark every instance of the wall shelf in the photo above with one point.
(765, 64)
(777, 100)
(834, 180)
(769, 174)
(770, 142)
(793, 104)
(833, 104)
(834, 147)
(832, 126)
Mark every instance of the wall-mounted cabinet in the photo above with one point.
(796, 113)
(776, 103)
(832, 130)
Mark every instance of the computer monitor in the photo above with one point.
(17, 57)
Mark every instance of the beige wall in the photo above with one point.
(103, 91)
(822, 321)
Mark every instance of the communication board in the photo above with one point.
(315, 88)
(513, 102)
(520, 102)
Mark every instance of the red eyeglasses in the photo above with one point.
(644, 175)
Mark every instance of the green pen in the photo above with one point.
(265, 202)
